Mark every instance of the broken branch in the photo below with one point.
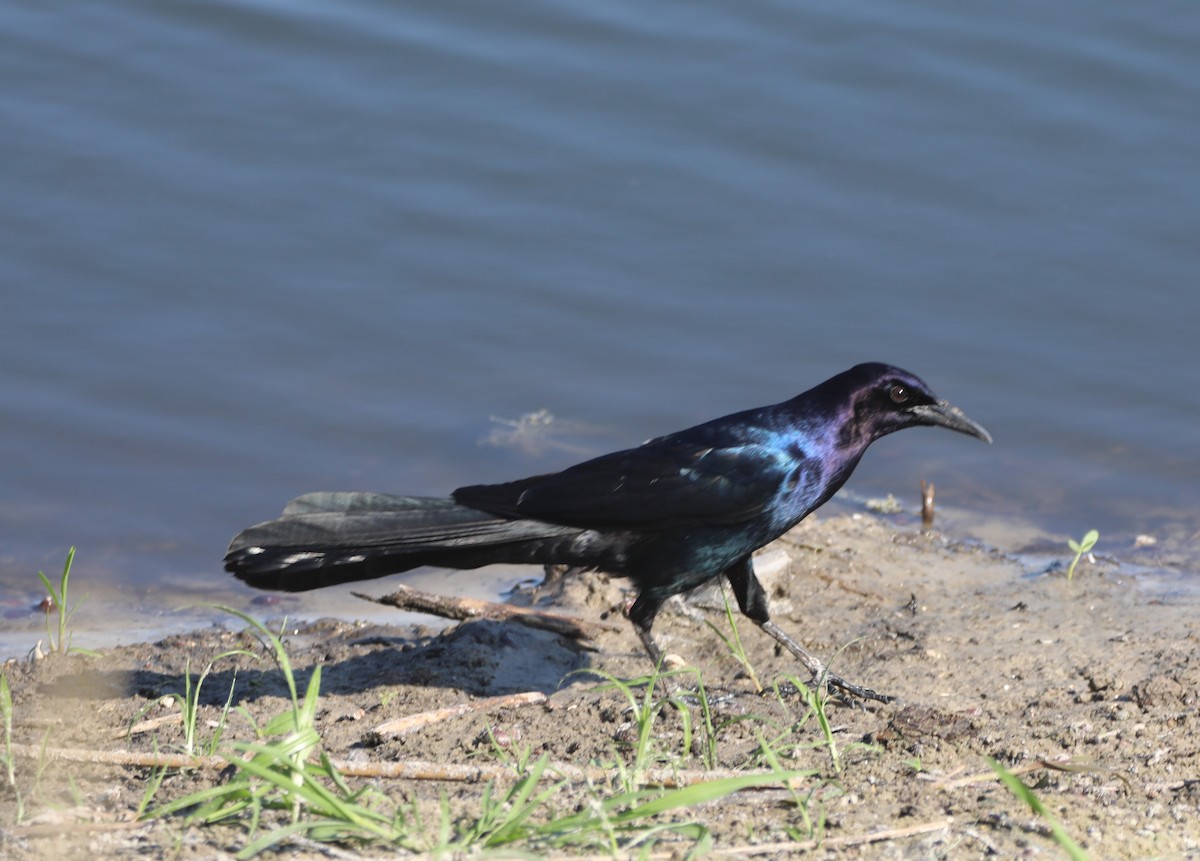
(461, 609)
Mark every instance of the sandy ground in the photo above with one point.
(1091, 686)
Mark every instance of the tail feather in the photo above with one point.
(354, 502)
(328, 538)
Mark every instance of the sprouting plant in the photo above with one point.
(519, 756)
(189, 704)
(152, 787)
(817, 703)
(7, 759)
(6, 712)
(815, 707)
(643, 709)
(504, 814)
(772, 757)
(707, 730)
(791, 738)
(58, 601)
(734, 643)
(1081, 547)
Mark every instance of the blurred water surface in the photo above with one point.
(251, 249)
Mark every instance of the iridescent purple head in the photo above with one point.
(884, 399)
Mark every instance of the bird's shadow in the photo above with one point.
(477, 658)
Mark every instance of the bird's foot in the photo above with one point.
(838, 685)
(822, 679)
(555, 578)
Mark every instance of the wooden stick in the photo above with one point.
(117, 757)
(853, 839)
(38, 829)
(409, 770)
(150, 725)
(450, 607)
(409, 723)
(926, 505)
(788, 848)
(1025, 768)
(988, 776)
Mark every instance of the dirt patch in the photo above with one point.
(1091, 686)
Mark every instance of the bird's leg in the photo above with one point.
(555, 577)
(641, 614)
(818, 669)
(652, 648)
(752, 600)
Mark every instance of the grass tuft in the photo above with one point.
(62, 610)
(733, 642)
(289, 772)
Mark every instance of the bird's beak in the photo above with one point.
(947, 416)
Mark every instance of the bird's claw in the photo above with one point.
(837, 685)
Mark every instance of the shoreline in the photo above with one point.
(176, 604)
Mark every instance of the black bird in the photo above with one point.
(671, 514)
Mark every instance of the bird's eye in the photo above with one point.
(898, 394)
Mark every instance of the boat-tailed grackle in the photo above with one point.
(671, 514)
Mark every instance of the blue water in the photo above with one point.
(249, 250)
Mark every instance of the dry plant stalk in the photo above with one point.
(926, 505)
(410, 723)
(461, 609)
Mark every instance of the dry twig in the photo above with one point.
(926, 505)
(450, 607)
(787, 848)
(409, 770)
(404, 725)
(1026, 768)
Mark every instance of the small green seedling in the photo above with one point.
(734, 642)
(56, 603)
(1081, 547)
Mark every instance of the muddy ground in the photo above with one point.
(1091, 686)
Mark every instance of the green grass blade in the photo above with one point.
(196, 799)
(281, 655)
(6, 717)
(702, 793)
(1018, 788)
(278, 835)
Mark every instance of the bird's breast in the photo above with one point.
(801, 490)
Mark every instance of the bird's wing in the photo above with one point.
(653, 487)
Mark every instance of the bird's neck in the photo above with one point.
(829, 435)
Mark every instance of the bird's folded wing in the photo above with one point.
(652, 487)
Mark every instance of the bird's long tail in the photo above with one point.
(327, 538)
